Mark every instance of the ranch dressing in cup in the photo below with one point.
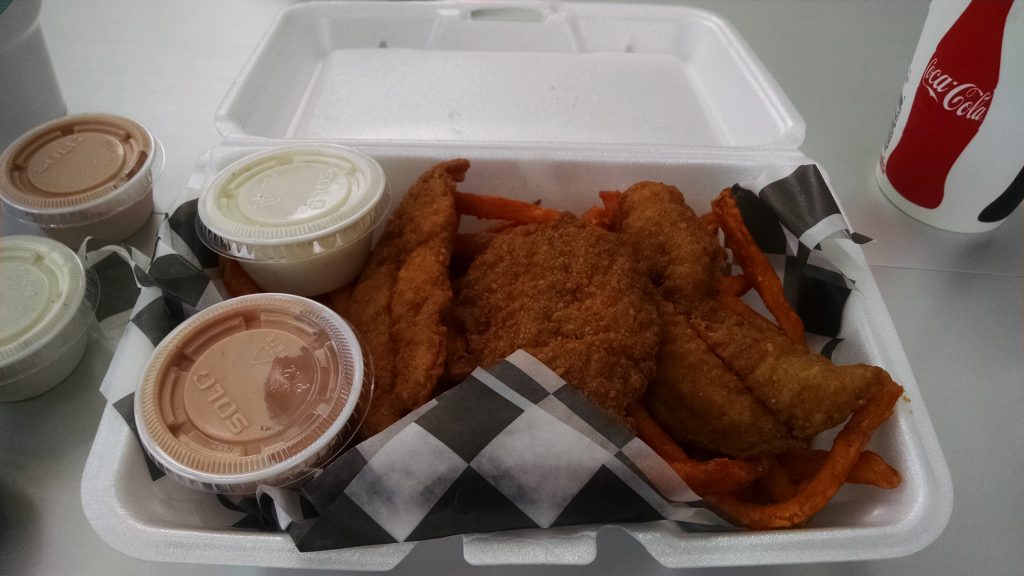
(299, 219)
(47, 300)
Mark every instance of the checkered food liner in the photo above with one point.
(511, 447)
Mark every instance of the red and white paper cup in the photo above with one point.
(955, 156)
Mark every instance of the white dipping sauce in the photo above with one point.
(46, 305)
(299, 219)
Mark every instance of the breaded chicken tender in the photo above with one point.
(806, 391)
(572, 296)
(399, 302)
(681, 258)
(698, 399)
(726, 382)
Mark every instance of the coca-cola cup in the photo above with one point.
(955, 155)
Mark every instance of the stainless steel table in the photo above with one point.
(956, 300)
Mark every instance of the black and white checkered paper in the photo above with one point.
(510, 448)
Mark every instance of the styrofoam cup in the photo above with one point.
(31, 94)
(299, 218)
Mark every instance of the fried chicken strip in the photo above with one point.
(702, 403)
(806, 391)
(682, 259)
(399, 302)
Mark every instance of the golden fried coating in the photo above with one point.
(701, 403)
(572, 296)
(806, 391)
(401, 297)
(677, 252)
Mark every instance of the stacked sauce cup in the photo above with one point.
(267, 388)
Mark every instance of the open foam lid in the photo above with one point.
(538, 74)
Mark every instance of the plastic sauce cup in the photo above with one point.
(47, 300)
(256, 390)
(80, 176)
(299, 219)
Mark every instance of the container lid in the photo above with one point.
(535, 74)
(77, 169)
(46, 301)
(250, 391)
(292, 202)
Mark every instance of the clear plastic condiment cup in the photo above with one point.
(47, 302)
(300, 218)
(82, 175)
(257, 390)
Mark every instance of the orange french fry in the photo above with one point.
(733, 285)
(596, 216)
(612, 200)
(603, 216)
(236, 281)
(777, 483)
(340, 299)
(756, 266)
(717, 476)
(814, 494)
(739, 306)
(870, 468)
(710, 219)
(498, 208)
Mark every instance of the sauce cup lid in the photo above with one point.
(77, 169)
(47, 299)
(292, 202)
(254, 390)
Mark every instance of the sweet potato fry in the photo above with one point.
(236, 281)
(611, 199)
(710, 219)
(777, 484)
(739, 306)
(602, 216)
(595, 216)
(815, 494)
(733, 285)
(339, 300)
(499, 208)
(717, 476)
(756, 266)
(870, 468)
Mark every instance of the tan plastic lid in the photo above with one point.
(254, 390)
(77, 169)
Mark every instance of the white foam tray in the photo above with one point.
(310, 78)
(860, 523)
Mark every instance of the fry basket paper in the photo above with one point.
(512, 447)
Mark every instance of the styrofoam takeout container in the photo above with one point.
(710, 116)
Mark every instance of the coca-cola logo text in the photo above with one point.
(966, 99)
